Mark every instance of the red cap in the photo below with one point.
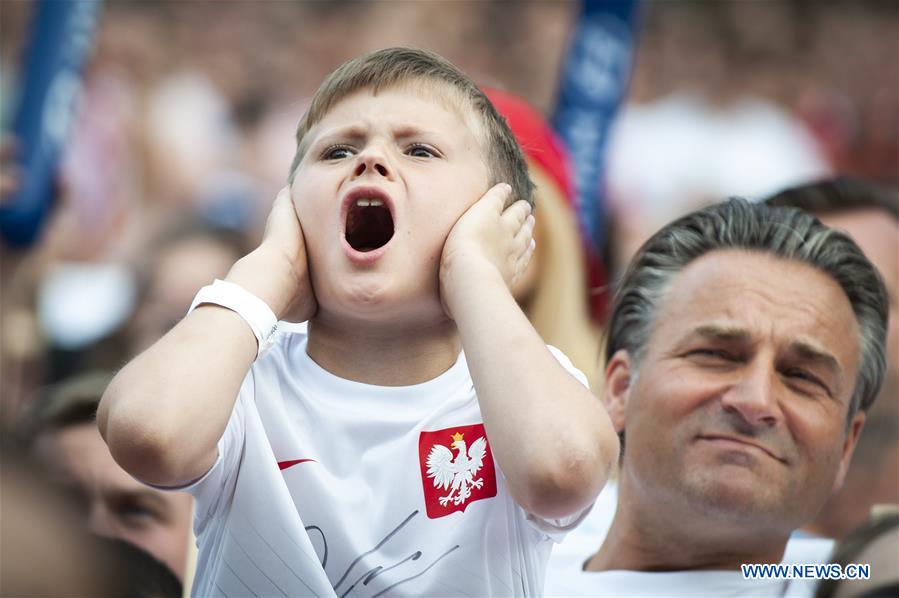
(539, 142)
(544, 148)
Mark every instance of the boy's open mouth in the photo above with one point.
(369, 224)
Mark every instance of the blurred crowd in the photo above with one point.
(185, 132)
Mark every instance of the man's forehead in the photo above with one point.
(721, 270)
(735, 332)
(735, 292)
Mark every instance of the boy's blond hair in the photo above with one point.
(392, 67)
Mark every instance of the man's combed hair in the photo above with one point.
(392, 67)
(787, 233)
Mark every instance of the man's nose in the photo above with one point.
(754, 397)
(373, 161)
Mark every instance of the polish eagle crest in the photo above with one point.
(456, 473)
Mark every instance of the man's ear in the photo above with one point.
(852, 434)
(617, 387)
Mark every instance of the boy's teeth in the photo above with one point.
(364, 203)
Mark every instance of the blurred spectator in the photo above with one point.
(172, 268)
(138, 574)
(81, 308)
(553, 290)
(190, 133)
(100, 172)
(43, 549)
(833, 64)
(876, 543)
(60, 432)
(870, 216)
(46, 551)
(681, 152)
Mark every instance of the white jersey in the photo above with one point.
(324, 486)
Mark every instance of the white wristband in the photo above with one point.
(254, 311)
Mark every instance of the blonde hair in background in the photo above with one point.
(557, 304)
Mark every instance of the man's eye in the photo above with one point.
(419, 150)
(712, 354)
(799, 374)
(804, 377)
(337, 152)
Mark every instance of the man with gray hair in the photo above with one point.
(745, 345)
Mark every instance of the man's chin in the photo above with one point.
(738, 496)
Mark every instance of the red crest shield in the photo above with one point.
(456, 468)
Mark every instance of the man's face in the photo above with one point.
(739, 407)
(117, 505)
(384, 179)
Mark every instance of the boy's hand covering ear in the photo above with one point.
(278, 270)
(487, 240)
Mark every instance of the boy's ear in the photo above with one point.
(618, 387)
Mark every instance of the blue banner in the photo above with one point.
(593, 85)
(59, 42)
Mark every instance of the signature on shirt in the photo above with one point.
(366, 577)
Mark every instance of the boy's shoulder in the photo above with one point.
(287, 329)
(288, 335)
(287, 349)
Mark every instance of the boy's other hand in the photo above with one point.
(278, 271)
(487, 241)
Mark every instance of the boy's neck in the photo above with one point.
(384, 355)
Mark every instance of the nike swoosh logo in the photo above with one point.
(282, 465)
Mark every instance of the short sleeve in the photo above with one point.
(556, 529)
(218, 483)
(566, 363)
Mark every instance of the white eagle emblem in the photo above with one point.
(457, 474)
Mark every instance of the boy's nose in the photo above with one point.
(372, 162)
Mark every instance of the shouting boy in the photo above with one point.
(365, 454)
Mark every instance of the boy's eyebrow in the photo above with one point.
(356, 132)
(347, 132)
(403, 131)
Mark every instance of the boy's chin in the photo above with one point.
(363, 307)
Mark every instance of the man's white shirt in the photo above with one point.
(565, 575)
(325, 486)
